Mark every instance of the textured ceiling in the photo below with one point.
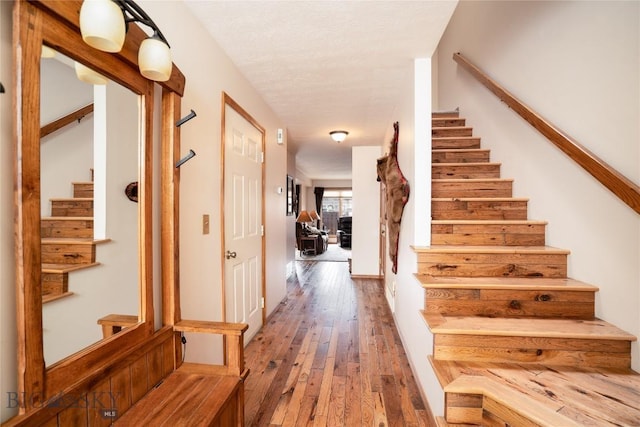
(326, 65)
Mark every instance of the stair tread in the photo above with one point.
(541, 283)
(443, 164)
(67, 218)
(492, 249)
(530, 327)
(479, 199)
(446, 113)
(449, 138)
(472, 180)
(53, 297)
(488, 221)
(66, 268)
(520, 403)
(587, 395)
(441, 422)
(451, 127)
(475, 150)
(74, 240)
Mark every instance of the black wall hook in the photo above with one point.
(185, 158)
(186, 118)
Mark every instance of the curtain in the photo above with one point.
(296, 200)
(319, 192)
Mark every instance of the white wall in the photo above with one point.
(366, 207)
(208, 74)
(414, 117)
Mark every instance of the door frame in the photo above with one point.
(228, 101)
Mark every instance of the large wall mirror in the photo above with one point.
(108, 146)
(89, 225)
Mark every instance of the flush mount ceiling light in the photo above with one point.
(103, 24)
(338, 135)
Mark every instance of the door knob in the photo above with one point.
(230, 255)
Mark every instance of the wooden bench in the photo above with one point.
(197, 394)
(149, 385)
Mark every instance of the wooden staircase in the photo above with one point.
(67, 241)
(516, 342)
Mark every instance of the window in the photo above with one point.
(335, 204)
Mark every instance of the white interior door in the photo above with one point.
(243, 231)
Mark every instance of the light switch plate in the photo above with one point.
(205, 224)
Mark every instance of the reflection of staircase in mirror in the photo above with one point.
(67, 241)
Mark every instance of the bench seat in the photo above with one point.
(192, 395)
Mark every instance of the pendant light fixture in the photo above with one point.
(154, 59)
(103, 25)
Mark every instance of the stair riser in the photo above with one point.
(451, 131)
(463, 189)
(459, 143)
(83, 190)
(533, 350)
(55, 283)
(478, 209)
(460, 156)
(463, 408)
(63, 253)
(444, 114)
(447, 121)
(467, 408)
(72, 208)
(488, 234)
(472, 171)
(497, 414)
(67, 228)
(492, 265)
(510, 303)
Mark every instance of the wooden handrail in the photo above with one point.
(621, 186)
(63, 121)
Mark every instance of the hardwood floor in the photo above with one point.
(330, 355)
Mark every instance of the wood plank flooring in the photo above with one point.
(330, 355)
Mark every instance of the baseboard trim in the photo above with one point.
(366, 276)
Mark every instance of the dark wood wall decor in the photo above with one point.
(396, 194)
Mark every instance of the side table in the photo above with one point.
(308, 245)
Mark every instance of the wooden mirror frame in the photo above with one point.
(56, 24)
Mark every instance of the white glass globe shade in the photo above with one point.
(154, 60)
(47, 52)
(87, 75)
(102, 25)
